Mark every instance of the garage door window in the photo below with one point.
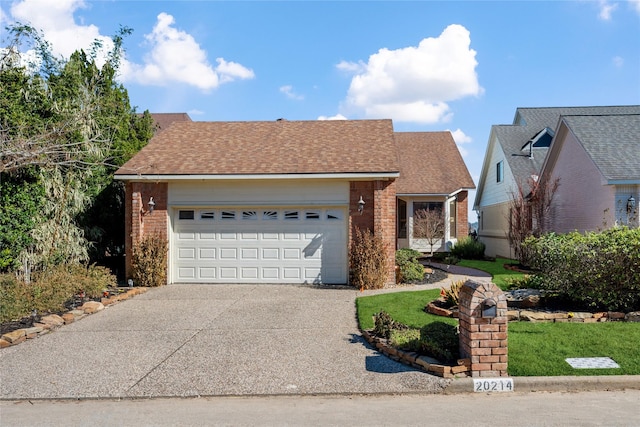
(334, 214)
(186, 215)
(207, 216)
(312, 215)
(291, 215)
(227, 215)
(270, 215)
(250, 215)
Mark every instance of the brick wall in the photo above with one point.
(138, 221)
(483, 340)
(378, 216)
(462, 206)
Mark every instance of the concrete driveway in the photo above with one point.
(210, 340)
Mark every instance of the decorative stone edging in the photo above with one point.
(551, 316)
(424, 363)
(51, 322)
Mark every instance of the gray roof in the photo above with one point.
(612, 142)
(529, 121)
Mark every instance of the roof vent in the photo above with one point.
(281, 120)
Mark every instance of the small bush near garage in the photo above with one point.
(594, 270)
(468, 248)
(368, 263)
(50, 289)
(410, 268)
(149, 261)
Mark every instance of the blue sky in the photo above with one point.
(428, 65)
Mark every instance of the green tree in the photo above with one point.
(65, 126)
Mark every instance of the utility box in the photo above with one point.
(483, 328)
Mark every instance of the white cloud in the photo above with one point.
(635, 4)
(288, 91)
(176, 56)
(414, 84)
(460, 137)
(195, 112)
(55, 20)
(606, 9)
(336, 117)
(618, 61)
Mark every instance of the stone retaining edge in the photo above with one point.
(51, 322)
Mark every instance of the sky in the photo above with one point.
(461, 66)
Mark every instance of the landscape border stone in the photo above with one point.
(52, 322)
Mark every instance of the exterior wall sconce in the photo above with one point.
(151, 205)
(631, 204)
(360, 205)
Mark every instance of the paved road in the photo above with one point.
(529, 409)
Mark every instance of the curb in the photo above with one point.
(556, 384)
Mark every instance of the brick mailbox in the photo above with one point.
(483, 328)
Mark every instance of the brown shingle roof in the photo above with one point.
(278, 147)
(162, 121)
(430, 163)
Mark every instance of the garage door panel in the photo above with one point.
(307, 246)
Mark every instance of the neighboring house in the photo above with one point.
(432, 176)
(514, 157)
(277, 202)
(597, 160)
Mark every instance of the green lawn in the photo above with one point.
(495, 268)
(535, 349)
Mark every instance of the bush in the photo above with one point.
(407, 339)
(452, 295)
(440, 340)
(149, 261)
(368, 263)
(51, 289)
(468, 248)
(594, 270)
(527, 281)
(410, 268)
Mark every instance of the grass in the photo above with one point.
(495, 268)
(535, 349)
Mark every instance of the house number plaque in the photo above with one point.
(483, 385)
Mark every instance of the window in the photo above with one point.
(428, 220)
(186, 215)
(291, 215)
(249, 215)
(207, 215)
(500, 171)
(228, 215)
(270, 215)
(312, 215)
(402, 219)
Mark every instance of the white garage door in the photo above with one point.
(260, 245)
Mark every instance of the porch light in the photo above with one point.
(151, 204)
(360, 205)
(631, 204)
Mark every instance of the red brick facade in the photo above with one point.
(138, 220)
(378, 215)
(462, 206)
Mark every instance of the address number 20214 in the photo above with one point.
(483, 385)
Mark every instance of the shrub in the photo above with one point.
(468, 248)
(384, 325)
(527, 281)
(50, 289)
(452, 295)
(595, 270)
(368, 261)
(410, 268)
(440, 340)
(149, 261)
(407, 339)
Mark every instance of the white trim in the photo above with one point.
(164, 178)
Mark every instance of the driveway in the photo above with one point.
(210, 340)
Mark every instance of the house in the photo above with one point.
(597, 161)
(276, 202)
(432, 176)
(513, 161)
